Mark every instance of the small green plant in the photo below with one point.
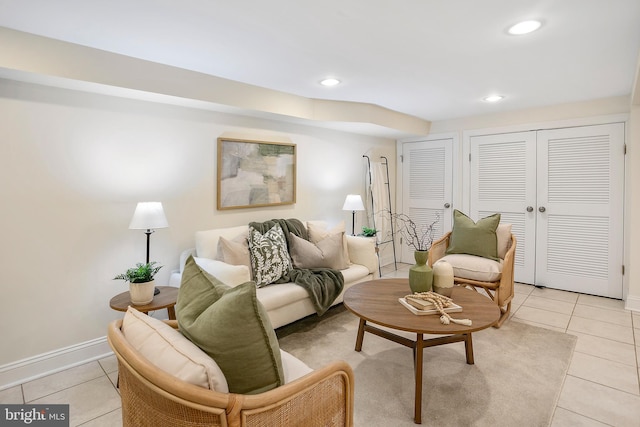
(141, 273)
(369, 232)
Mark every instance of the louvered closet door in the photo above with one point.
(427, 176)
(503, 179)
(580, 194)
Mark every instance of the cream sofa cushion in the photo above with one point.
(170, 351)
(207, 241)
(360, 250)
(232, 275)
(474, 267)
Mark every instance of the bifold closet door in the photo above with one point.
(562, 190)
(503, 180)
(427, 177)
(580, 209)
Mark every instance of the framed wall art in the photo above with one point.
(255, 174)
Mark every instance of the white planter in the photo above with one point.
(141, 293)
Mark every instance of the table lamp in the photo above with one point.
(353, 203)
(148, 216)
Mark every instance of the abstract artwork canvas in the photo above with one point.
(255, 173)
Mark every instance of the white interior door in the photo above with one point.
(580, 209)
(503, 179)
(427, 176)
(562, 189)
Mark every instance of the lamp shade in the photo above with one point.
(148, 215)
(353, 202)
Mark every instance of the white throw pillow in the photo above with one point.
(170, 351)
(232, 275)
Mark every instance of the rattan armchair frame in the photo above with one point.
(152, 397)
(500, 291)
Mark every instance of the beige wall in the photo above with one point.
(73, 167)
(632, 207)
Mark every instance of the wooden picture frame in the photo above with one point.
(254, 174)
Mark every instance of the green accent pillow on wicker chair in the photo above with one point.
(471, 238)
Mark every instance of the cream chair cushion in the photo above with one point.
(170, 351)
(503, 234)
(474, 267)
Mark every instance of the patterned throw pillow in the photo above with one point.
(269, 257)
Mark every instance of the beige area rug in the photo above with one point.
(516, 379)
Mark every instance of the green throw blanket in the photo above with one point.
(323, 284)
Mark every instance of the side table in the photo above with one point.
(165, 299)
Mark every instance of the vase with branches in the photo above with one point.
(419, 237)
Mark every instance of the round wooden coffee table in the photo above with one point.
(376, 301)
(165, 299)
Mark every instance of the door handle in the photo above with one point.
(447, 205)
(529, 208)
(542, 209)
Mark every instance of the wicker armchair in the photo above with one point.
(152, 397)
(501, 291)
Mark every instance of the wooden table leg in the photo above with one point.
(468, 346)
(418, 367)
(360, 336)
(171, 311)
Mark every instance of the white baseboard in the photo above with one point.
(632, 303)
(45, 364)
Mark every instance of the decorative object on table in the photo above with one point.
(420, 274)
(420, 238)
(443, 278)
(353, 203)
(255, 173)
(141, 282)
(148, 216)
(441, 303)
(369, 232)
(422, 308)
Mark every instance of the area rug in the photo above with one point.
(516, 379)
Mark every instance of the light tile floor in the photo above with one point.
(601, 387)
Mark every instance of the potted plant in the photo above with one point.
(141, 282)
(369, 232)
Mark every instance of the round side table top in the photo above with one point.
(166, 298)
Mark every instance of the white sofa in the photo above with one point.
(287, 302)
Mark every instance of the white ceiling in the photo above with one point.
(433, 59)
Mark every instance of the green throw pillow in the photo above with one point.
(234, 330)
(479, 239)
(198, 290)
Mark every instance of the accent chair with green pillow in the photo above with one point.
(232, 327)
(482, 255)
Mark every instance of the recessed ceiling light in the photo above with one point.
(330, 82)
(493, 98)
(524, 27)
